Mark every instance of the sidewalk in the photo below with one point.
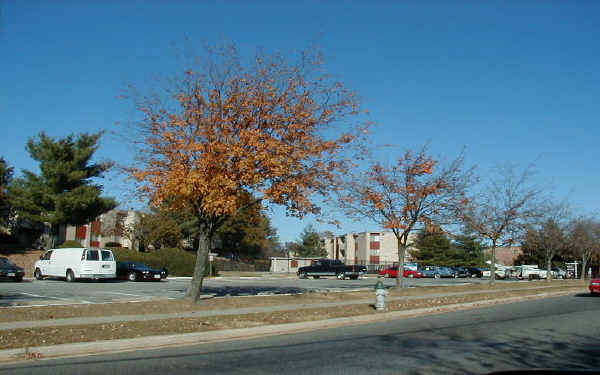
(153, 342)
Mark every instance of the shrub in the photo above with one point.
(112, 244)
(178, 262)
(69, 244)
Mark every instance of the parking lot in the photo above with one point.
(59, 292)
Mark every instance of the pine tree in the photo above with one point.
(63, 192)
(6, 174)
(310, 244)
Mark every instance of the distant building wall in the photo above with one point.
(506, 255)
(364, 247)
(108, 227)
(289, 264)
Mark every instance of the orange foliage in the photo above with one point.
(259, 131)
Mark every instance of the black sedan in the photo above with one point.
(461, 272)
(9, 270)
(135, 271)
(475, 271)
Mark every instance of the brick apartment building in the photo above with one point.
(109, 227)
(365, 247)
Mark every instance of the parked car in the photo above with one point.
(135, 271)
(475, 272)
(9, 270)
(438, 272)
(393, 273)
(560, 273)
(500, 273)
(528, 271)
(461, 272)
(331, 267)
(595, 287)
(76, 263)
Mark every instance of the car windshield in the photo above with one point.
(6, 262)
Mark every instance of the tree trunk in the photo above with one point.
(401, 258)
(493, 264)
(549, 268)
(195, 289)
(583, 267)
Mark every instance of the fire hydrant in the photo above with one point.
(380, 294)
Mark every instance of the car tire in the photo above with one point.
(132, 276)
(354, 277)
(38, 274)
(437, 276)
(340, 276)
(70, 276)
(315, 277)
(18, 279)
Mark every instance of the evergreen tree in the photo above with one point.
(310, 244)
(433, 248)
(468, 251)
(437, 249)
(6, 174)
(63, 192)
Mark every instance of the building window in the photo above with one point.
(374, 245)
(374, 259)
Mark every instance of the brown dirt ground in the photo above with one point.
(174, 306)
(50, 335)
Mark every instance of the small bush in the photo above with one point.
(70, 244)
(178, 262)
(112, 244)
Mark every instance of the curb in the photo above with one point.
(195, 338)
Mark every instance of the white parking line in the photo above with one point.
(125, 294)
(37, 295)
(67, 300)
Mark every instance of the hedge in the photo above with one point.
(178, 262)
(70, 244)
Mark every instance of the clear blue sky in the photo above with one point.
(511, 81)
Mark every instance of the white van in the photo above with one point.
(76, 263)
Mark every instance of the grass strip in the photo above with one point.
(20, 338)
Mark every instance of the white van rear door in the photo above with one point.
(98, 262)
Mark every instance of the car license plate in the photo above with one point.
(11, 274)
(157, 276)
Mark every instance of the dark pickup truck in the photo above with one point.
(331, 267)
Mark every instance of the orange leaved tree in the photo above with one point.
(277, 131)
(411, 194)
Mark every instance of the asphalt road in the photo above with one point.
(559, 333)
(59, 292)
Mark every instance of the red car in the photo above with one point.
(595, 286)
(393, 272)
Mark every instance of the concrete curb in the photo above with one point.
(161, 341)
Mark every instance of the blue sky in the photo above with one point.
(509, 81)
